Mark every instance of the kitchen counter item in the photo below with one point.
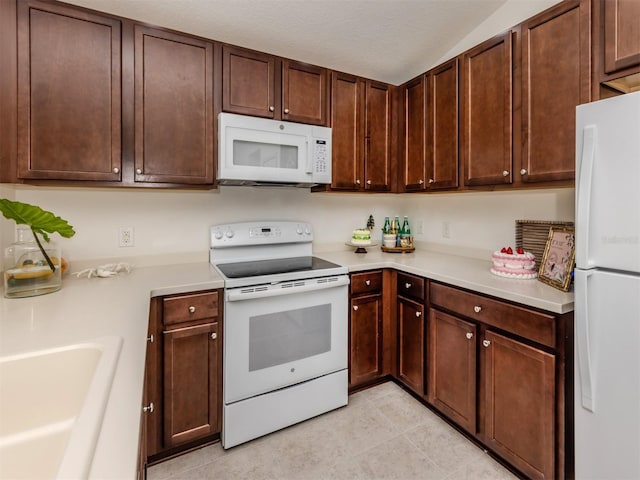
(361, 248)
(397, 249)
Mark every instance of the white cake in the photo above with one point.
(361, 236)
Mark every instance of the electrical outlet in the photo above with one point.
(446, 231)
(125, 238)
(419, 227)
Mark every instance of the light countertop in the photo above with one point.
(85, 309)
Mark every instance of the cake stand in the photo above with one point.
(361, 248)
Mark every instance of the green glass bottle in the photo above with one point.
(406, 231)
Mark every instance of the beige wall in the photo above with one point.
(171, 222)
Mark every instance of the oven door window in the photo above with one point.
(275, 342)
(284, 337)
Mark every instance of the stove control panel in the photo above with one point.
(260, 233)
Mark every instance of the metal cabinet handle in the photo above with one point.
(355, 307)
(477, 308)
(192, 309)
(420, 182)
(469, 335)
(148, 408)
(486, 343)
(214, 335)
(407, 285)
(116, 170)
(150, 338)
(431, 180)
(272, 108)
(138, 171)
(418, 314)
(523, 171)
(367, 282)
(505, 173)
(286, 110)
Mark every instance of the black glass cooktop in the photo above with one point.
(274, 266)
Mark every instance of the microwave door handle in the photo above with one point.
(309, 168)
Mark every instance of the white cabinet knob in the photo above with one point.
(358, 182)
(138, 171)
(192, 309)
(407, 285)
(148, 408)
(150, 338)
(286, 110)
(214, 335)
(469, 335)
(272, 108)
(116, 170)
(368, 182)
(477, 308)
(355, 307)
(418, 314)
(486, 343)
(523, 171)
(431, 180)
(505, 173)
(367, 282)
(420, 182)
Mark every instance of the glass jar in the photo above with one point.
(27, 272)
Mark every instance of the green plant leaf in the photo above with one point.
(40, 221)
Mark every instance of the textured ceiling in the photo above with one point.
(387, 40)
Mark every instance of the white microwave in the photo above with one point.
(260, 151)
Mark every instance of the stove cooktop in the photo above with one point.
(276, 266)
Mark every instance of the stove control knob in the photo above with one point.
(307, 230)
(218, 235)
(299, 229)
(229, 233)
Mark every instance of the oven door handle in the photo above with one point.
(285, 288)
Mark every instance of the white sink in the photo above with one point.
(51, 407)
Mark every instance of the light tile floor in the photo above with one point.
(384, 433)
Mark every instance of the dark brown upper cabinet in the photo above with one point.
(174, 119)
(555, 79)
(263, 85)
(621, 35)
(415, 135)
(487, 125)
(69, 94)
(361, 134)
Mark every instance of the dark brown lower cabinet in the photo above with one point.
(183, 379)
(411, 344)
(365, 331)
(452, 368)
(503, 372)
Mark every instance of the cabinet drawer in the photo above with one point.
(368, 282)
(529, 324)
(411, 286)
(187, 308)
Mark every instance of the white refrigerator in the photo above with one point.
(607, 290)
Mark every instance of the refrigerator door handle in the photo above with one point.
(583, 200)
(584, 346)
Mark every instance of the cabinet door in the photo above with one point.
(69, 94)
(442, 157)
(365, 337)
(190, 383)
(519, 404)
(377, 137)
(173, 108)
(347, 132)
(411, 344)
(487, 119)
(551, 90)
(304, 93)
(452, 368)
(621, 34)
(415, 152)
(248, 82)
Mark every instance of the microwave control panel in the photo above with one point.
(321, 155)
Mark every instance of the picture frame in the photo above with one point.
(556, 266)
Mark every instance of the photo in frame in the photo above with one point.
(556, 266)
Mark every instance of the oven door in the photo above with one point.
(283, 334)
